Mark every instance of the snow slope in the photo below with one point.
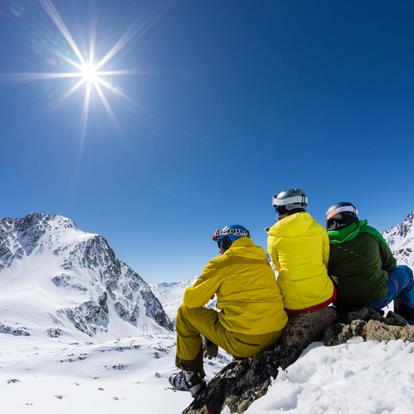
(353, 378)
(58, 280)
(44, 375)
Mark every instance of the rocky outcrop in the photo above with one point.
(242, 382)
(371, 326)
(20, 331)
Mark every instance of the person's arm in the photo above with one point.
(271, 244)
(389, 262)
(204, 287)
(326, 249)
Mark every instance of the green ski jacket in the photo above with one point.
(359, 262)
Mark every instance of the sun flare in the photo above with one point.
(87, 71)
(90, 74)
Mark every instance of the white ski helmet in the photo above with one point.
(290, 199)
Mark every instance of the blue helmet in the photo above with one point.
(227, 235)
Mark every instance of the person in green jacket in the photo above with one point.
(363, 267)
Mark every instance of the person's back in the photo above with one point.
(251, 316)
(299, 248)
(247, 292)
(363, 266)
(359, 262)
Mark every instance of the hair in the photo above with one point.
(224, 243)
(283, 211)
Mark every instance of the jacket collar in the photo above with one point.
(347, 233)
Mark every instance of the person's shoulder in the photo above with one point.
(314, 225)
(273, 229)
(219, 261)
(365, 228)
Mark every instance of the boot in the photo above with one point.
(403, 310)
(187, 381)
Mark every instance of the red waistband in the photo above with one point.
(315, 307)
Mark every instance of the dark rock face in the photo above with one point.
(54, 332)
(153, 308)
(89, 268)
(242, 382)
(5, 329)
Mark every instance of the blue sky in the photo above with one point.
(235, 101)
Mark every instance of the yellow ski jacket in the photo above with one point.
(246, 288)
(299, 248)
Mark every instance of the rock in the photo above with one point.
(242, 382)
(370, 325)
(20, 331)
(378, 331)
(54, 332)
(308, 327)
(337, 334)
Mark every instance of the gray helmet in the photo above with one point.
(290, 199)
(340, 209)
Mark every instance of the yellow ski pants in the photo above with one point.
(191, 323)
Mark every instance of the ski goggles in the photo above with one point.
(301, 200)
(226, 232)
(344, 209)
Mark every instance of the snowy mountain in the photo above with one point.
(57, 279)
(65, 298)
(171, 295)
(401, 240)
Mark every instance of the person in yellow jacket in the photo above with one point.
(251, 315)
(299, 249)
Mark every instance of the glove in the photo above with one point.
(210, 349)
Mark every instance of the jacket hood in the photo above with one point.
(347, 233)
(294, 225)
(244, 247)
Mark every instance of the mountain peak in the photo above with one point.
(36, 218)
(72, 278)
(401, 240)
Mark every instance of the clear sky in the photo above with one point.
(231, 102)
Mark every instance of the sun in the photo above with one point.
(87, 71)
(90, 74)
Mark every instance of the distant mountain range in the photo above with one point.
(57, 279)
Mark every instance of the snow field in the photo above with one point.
(128, 375)
(354, 378)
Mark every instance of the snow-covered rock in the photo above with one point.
(55, 276)
(401, 240)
